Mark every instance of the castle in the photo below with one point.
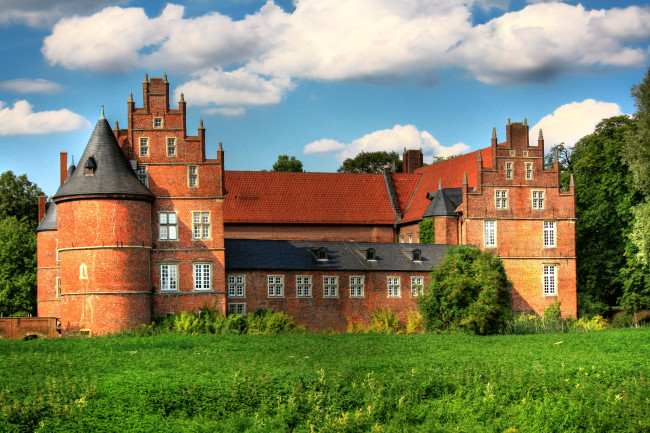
(147, 225)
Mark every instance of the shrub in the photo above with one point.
(415, 323)
(267, 321)
(468, 292)
(384, 321)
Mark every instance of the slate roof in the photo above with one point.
(113, 173)
(49, 221)
(306, 198)
(248, 254)
(444, 202)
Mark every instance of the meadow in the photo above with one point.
(576, 382)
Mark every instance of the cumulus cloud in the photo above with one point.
(395, 139)
(226, 111)
(22, 120)
(570, 122)
(27, 85)
(43, 13)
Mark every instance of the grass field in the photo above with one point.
(582, 382)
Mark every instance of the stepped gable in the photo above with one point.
(444, 202)
(103, 170)
(49, 220)
(306, 198)
(450, 173)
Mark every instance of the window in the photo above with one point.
(416, 286)
(525, 153)
(169, 277)
(171, 147)
(501, 198)
(168, 226)
(144, 146)
(549, 234)
(356, 287)
(157, 122)
(538, 199)
(193, 176)
(276, 286)
(322, 254)
(393, 287)
(410, 238)
(330, 287)
(512, 152)
(490, 233)
(509, 170)
(142, 175)
(58, 287)
(303, 286)
(529, 170)
(550, 280)
(370, 254)
(417, 255)
(401, 239)
(238, 308)
(202, 280)
(200, 225)
(236, 286)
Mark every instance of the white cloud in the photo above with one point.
(27, 85)
(43, 13)
(22, 120)
(226, 111)
(395, 139)
(570, 122)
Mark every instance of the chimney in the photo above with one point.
(63, 166)
(412, 159)
(41, 207)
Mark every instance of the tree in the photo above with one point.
(637, 151)
(565, 159)
(17, 267)
(469, 291)
(427, 233)
(604, 200)
(286, 163)
(19, 198)
(371, 162)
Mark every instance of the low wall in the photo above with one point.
(29, 327)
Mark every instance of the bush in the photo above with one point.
(468, 292)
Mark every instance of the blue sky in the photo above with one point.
(317, 79)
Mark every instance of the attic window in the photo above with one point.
(370, 254)
(90, 167)
(417, 255)
(321, 253)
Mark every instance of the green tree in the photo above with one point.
(565, 159)
(604, 200)
(286, 163)
(637, 151)
(19, 198)
(468, 291)
(17, 267)
(371, 162)
(427, 234)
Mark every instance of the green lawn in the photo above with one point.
(580, 382)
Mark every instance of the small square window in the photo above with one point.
(157, 122)
(509, 170)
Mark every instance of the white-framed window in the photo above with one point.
(416, 286)
(490, 233)
(193, 176)
(237, 308)
(501, 198)
(144, 146)
(157, 122)
(200, 225)
(513, 152)
(236, 286)
(171, 146)
(538, 199)
(356, 287)
(275, 286)
(169, 276)
(167, 226)
(330, 286)
(202, 276)
(550, 280)
(57, 285)
(549, 234)
(410, 238)
(529, 170)
(509, 170)
(393, 287)
(401, 239)
(303, 286)
(142, 175)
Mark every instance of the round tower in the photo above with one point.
(104, 240)
(47, 268)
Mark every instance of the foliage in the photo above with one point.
(637, 152)
(565, 159)
(552, 322)
(427, 233)
(382, 321)
(594, 382)
(468, 292)
(19, 198)
(414, 323)
(371, 162)
(286, 163)
(17, 267)
(440, 158)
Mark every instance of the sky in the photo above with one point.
(320, 80)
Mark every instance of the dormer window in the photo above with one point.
(417, 255)
(370, 254)
(321, 253)
(90, 167)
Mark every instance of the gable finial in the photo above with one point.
(131, 97)
(182, 98)
(541, 135)
(165, 78)
(525, 121)
(571, 183)
(464, 178)
(102, 116)
(220, 147)
(146, 78)
(479, 157)
(494, 133)
(201, 124)
(72, 159)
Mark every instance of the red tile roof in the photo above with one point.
(306, 198)
(451, 173)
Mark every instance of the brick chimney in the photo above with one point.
(412, 159)
(63, 166)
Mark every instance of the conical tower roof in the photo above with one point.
(103, 170)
